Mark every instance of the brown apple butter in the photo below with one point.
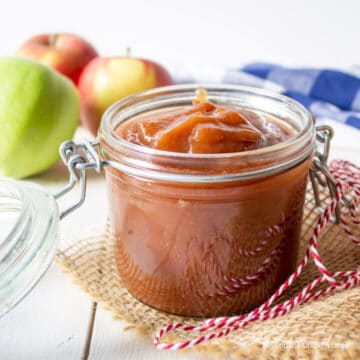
(204, 248)
(204, 128)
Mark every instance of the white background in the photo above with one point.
(222, 32)
(52, 322)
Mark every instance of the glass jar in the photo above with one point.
(206, 235)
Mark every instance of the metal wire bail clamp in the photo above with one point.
(78, 158)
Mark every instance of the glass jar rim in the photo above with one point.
(123, 109)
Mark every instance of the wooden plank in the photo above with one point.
(112, 342)
(50, 323)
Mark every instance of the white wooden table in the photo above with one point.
(58, 321)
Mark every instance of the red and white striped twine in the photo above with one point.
(347, 177)
(234, 284)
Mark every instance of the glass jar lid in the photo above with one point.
(29, 220)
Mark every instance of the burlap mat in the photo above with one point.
(328, 328)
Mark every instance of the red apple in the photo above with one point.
(106, 80)
(66, 53)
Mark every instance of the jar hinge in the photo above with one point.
(78, 158)
(319, 171)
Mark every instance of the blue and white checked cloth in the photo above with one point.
(331, 94)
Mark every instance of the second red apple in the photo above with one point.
(106, 80)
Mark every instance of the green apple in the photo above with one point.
(39, 109)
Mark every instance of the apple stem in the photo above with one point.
(128, 51)
(53, 39)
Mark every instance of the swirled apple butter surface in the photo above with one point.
(205, 249)
(204, 128)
